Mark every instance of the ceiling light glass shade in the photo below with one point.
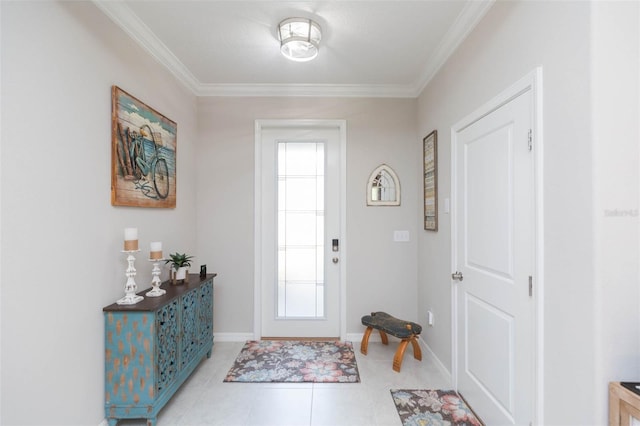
(299, 38)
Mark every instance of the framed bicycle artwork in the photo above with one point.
(143, 154)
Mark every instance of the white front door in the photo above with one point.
(494, 244)
(301, 240)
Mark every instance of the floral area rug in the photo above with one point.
(433, 408)
(295, 361)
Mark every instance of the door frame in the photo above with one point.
(261, 125)
(531, 82)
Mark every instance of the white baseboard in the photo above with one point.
(357, 337)
(232, 337)
(375, 337)
(432, 356)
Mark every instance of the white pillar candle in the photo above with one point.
(156, 250)
(130, 234)
(131, 239)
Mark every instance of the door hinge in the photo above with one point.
(530, 286)
(530, 139)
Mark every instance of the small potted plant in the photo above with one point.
(180, 264)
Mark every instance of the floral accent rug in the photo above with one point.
(295, 361)
(433, 408)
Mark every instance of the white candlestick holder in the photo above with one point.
(130, 296)
(155, 282)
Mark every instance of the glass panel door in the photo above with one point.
(300, 188)
(300, 230)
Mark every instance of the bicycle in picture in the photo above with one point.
(143, 161)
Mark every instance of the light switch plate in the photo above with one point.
(401, 236)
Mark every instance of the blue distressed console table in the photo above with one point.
(152, 347)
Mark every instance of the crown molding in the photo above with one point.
(125, 18)
(466, 21)
(308, 90)
(131, 24)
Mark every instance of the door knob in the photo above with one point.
(457, 276)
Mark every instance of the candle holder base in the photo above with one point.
(156, 292)
(130, 299)
(155, 282)
(130, 296)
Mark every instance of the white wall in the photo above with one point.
(511, 41)
(61, 238)
(381, 273)
(616, 134)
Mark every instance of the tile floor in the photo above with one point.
(204, 399)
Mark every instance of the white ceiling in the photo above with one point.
(369, 47)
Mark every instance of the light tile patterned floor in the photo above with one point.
(205, 400)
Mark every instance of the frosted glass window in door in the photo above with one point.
(300, 230)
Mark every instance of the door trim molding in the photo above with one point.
(260, 125)
(531, 82)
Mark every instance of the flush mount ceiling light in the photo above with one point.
(299, 38)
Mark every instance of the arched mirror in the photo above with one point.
(383, 188)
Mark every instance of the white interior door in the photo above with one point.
(494, 250)
(301, 231)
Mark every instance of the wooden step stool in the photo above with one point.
(406, 330)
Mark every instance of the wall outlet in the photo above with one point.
(430, 318)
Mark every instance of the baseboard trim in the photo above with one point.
(435, 360)
(232, 337)
(357, 337)
(375, 337)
